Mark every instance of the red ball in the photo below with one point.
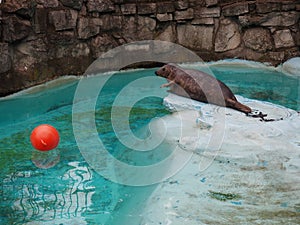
(44, 137)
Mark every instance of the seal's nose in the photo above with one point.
(156, 73)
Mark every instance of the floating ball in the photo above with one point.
(44, 137)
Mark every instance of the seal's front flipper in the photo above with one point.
(168, 84)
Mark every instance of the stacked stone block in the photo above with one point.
(43, 39)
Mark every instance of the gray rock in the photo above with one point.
(250, 54)
(276, 56)
(101, 44)
(31, 52)
(283, 38)
(48, 3)
(165, 7)
(280, 19)
(181, 4)
(15, 29)
(211, 2)
(100, 6)
(204, 21)
(5, 59)
(297, 37)
(61, 51)
(266, 7)
(146, 27)
(63, 19)
(14, 5)
(24, 8)
(146, 8)
(74, 4)
(228, 36)
(197, 3)
(61, 38)
(258, 39)
(235, 9)
(204, 12)
(168, 34)
(109, 22)
(26, 57)
(273, 19)
(83, 12)
(129, 31)
(81, 49)
(196, 37)
(164, 17)
(128, 9)
(249, 20)
(184, 15)
(288, 6)
(36, 47)
(138, 28)
(88, 27)
(40, 20)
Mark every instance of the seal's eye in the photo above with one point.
(163, 69)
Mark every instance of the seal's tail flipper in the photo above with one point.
(239, 106)
(262, 116)
(243, 108)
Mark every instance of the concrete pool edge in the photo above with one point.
(243, 177)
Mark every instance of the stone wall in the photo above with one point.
(43, 39)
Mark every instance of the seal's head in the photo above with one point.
(167, 71)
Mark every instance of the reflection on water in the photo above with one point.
(45, 160)
(69, 196)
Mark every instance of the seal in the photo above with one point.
(199, 86)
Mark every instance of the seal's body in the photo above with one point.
(199, 86)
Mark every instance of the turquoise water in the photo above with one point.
(70, 192)
(261, 84)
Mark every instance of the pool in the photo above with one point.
(60, 187)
